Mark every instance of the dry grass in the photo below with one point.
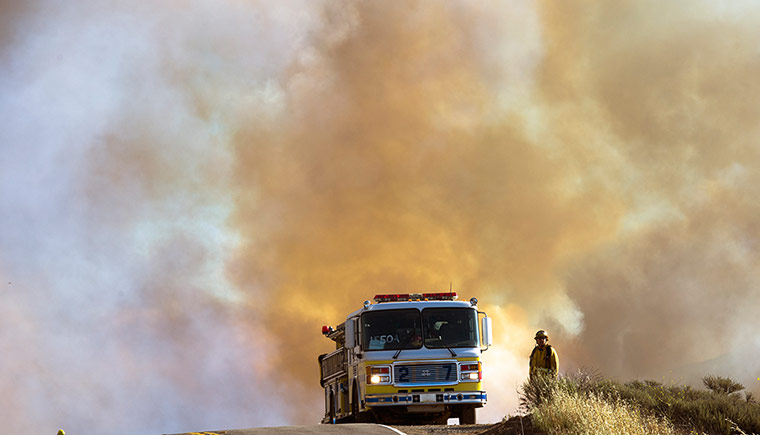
(576, 413)
(575, 404)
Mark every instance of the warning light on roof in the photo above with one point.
(416, 297)
(440, 296)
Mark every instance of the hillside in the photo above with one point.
(586, 403)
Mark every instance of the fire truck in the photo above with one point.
(406, 358)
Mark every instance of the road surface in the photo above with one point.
(317, 429)
(349, 429)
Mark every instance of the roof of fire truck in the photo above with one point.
(414, 300)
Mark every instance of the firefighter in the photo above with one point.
(544, 358)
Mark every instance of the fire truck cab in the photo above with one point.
(406, 358)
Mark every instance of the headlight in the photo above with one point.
(470, 372)
(378, 375)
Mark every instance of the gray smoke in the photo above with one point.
(189, 190)
(117, 316)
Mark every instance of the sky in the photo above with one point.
(190, 190)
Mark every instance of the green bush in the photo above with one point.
(722, 385)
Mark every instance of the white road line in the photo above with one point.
(393, 429)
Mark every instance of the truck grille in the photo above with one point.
(425, 373)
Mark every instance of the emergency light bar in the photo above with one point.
(416, 297)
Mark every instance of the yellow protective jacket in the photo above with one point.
(544, 360)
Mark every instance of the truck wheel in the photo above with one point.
(468, 416)
(359, 417)
(355, 405)
(442, 419)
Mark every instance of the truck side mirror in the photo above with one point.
(350, 333)
(487, 331)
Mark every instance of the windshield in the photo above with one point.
(391, 330)
(450, 327)
(405, 329)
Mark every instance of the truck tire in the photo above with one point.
(358, 415)
(355, 405)
(467, 416)
(442, 419)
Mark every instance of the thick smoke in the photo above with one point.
(561, 190)
(189, 190)
(399, 165)
(673, 293)
(117, 315)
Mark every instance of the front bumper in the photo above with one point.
(434, 398)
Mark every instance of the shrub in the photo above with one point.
(541, 387)
(578, 413)
(722, 385)
(717, 411)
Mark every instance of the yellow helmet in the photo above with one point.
(541, 334)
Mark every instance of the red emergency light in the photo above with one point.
(391, 298)
(450, 296)
(416, 297)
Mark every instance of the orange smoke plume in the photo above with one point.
(205, 185)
